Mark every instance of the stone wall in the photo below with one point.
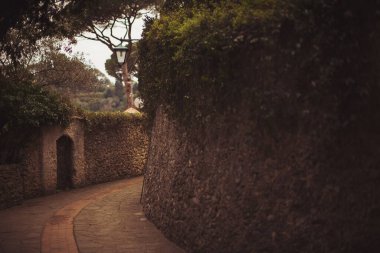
(100, 153)
(233, 187)
(37, 168)
(30, 166)
(11, 192)
(50, 135)
(115, 151)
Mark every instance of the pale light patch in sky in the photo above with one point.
(96, 53)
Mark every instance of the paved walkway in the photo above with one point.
(100, 218)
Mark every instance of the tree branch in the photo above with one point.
(112, 27)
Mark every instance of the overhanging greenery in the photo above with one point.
(110, 119)
(23, 104)
(290, 59)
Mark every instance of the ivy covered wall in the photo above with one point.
(265, 125)
(285, 56)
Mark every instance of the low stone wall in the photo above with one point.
(30, 166)
(100, 153)
(11, 190)
(231, 187)
(115, 151)
(50, 135)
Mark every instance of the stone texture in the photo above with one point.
(10, 185)
(229, 187)
(31, 166)
(114, 152)
(49, 154)
(45, 224)
(99, 155)
(116, 223)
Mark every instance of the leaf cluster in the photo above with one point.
(96, 120)
(36, 19)
(23, 105)
(65, 74)
(190, 57)
(284, 59)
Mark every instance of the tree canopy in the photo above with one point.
(55, 16)
(198, 56)
(25, 72)
(32, 20)
(65, 74)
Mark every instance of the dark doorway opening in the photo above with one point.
(64, 163)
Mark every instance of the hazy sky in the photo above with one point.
(97, 53)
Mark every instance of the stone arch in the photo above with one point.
(65, 162)
(52, 138)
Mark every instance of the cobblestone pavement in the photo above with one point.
(117, 224)
(46, 224)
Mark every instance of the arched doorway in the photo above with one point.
(64, 163)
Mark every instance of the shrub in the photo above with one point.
(110, 119)
(23, 108)
(23, 105)
(285, 57)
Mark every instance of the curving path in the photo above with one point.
(100, 218)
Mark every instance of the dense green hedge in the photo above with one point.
(110, 119)
(23, 105)
(285, 57)
(190, 49)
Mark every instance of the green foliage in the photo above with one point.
(119, 90)
(283, 59)
(111, 119)
(51, 17)
(31, 20)
(111, 65)
(23, 104)
(24, 107)
(99, 101)
(197, 50)
(67, 75)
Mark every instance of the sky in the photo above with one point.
(97, 53)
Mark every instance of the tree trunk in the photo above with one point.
(127, 83)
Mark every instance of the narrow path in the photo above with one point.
(46, 224)
(57, 235)
(117, 224)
